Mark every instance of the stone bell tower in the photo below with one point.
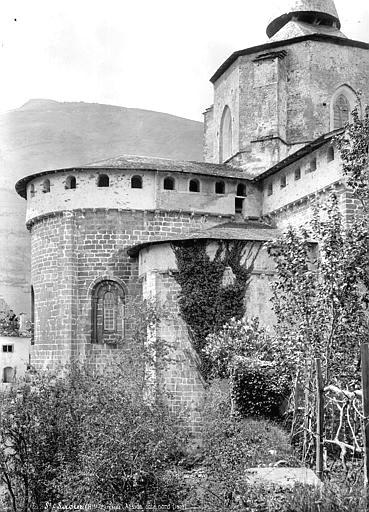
(270, 100)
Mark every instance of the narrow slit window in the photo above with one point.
(220, 187)
(270, 188)
(103, 180)
(297, 174)
(238, 204)
(194, 186)
(32, 190)
(330, 154)
(136, 182)
(283, 181)
(169, 183)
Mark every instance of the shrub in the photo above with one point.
(232, 444)
(255, 363)
(85, 437)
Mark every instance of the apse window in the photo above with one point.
(70, 182)
(238, 204)
(169, 183)
(194, 186)
(297, 174)
(136, 182)
(8, 349)
(270, 188)
(330, 154)
(103, 180)
(283, 182)
(46, 186)
(220, 187)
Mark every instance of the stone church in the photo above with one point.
(102, 233)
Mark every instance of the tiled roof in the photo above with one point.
(249, 230)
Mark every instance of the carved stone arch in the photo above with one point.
(225, 135)
(108, 299)
(343, 101)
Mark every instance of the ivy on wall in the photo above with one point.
(207, 300)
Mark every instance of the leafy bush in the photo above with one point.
(80, 436)
(255, 363)
(230, 445)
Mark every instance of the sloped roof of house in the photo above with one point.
(256, 231)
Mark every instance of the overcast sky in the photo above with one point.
(151, 54)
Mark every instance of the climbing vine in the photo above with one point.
(212, 289)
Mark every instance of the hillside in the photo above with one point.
(46, 134)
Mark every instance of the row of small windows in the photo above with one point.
(136, 182)
(297, 173)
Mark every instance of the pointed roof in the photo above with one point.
(314, 12)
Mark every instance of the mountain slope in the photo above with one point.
(46, 134)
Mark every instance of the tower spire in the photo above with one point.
(314, 12)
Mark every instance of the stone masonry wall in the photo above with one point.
(70, 252)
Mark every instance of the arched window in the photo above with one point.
(341, 112)
(241, 190)
(8, 374)
(108, 312)
(225, 143)
(103, 180)
(136, 182)
(169, 183)
(220, 187)
(330, 154)
(194, 186)
(70, 182)
(46, 186)
(32, 190)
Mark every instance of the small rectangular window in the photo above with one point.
(270, 188)
(312, 167)
(283, 181)
(8, 348)
(238, 204)
(297, 174)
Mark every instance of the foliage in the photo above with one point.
(230, 445)
(254, 361)
(9, 323)
(353, 145)
(317, 297)
(205, 302)
(78, 436)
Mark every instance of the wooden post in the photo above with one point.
(319, 418)
(365, 387)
